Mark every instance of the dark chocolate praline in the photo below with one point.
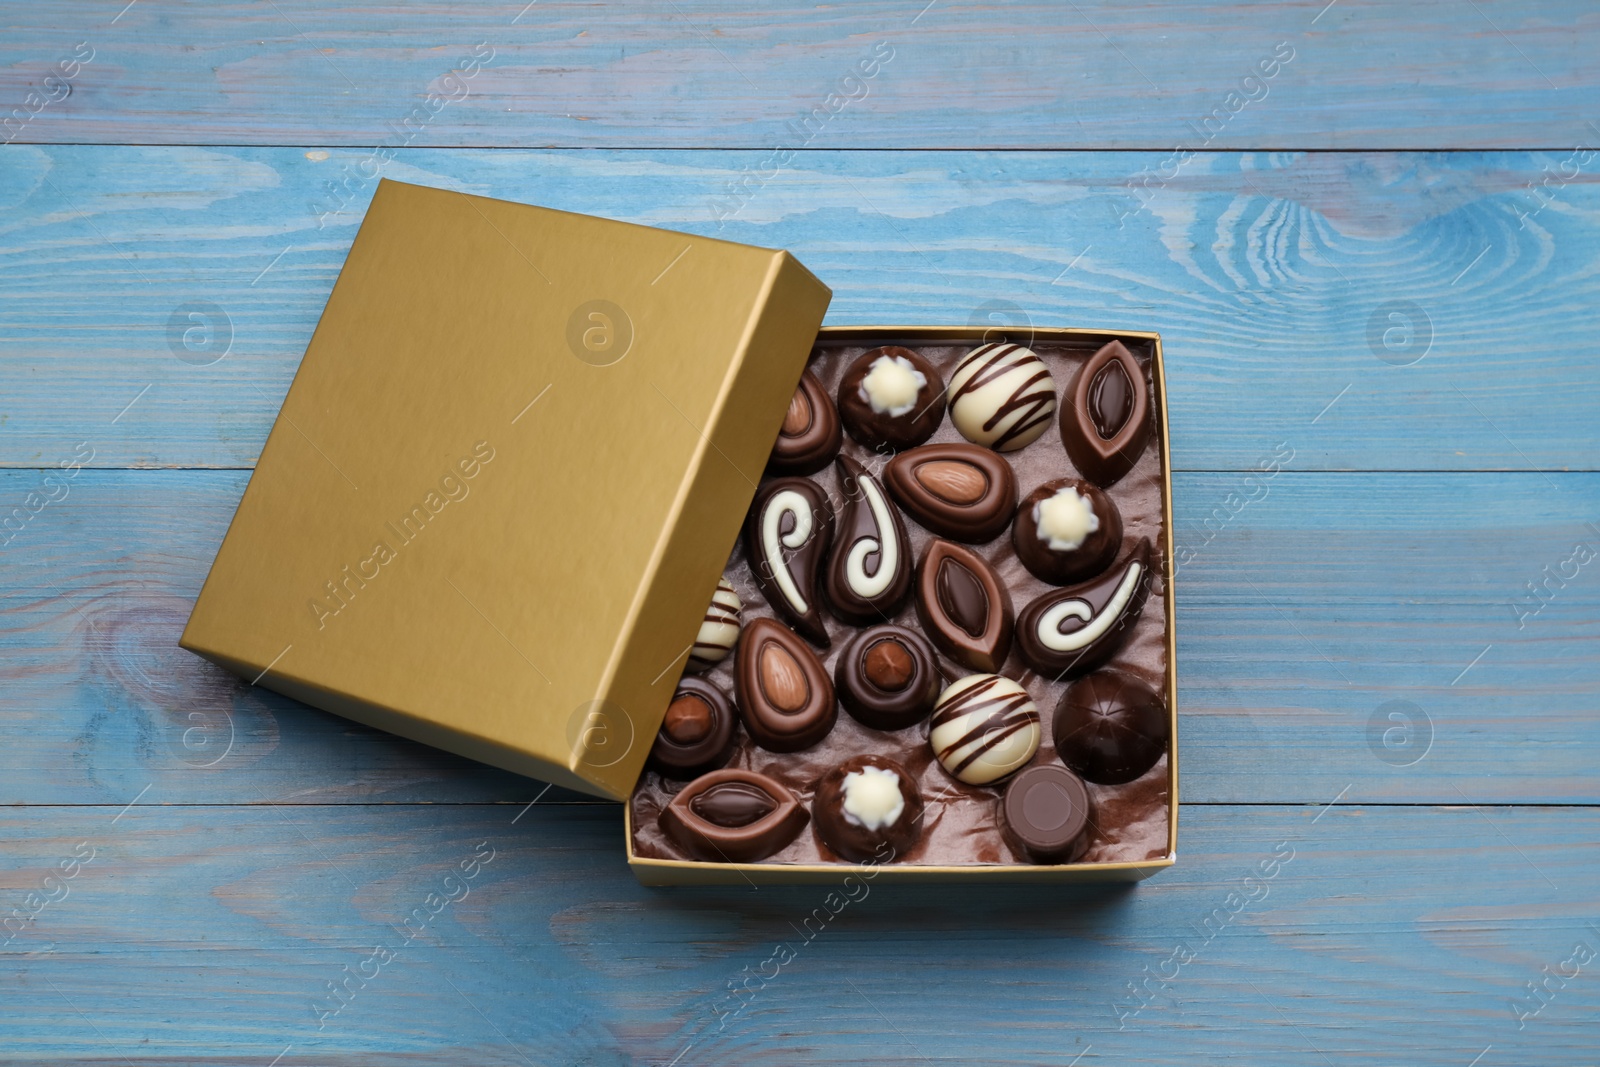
(869, 569)
(878, 412)
(1069, 632)
(1105, 415)
(697, 734)
(1056, 561)
(887, 677)
(963, 606)
(868, 808)
(786, 538)
(733, 816)
(1110, 728)
(811, 435)
(1045, 814)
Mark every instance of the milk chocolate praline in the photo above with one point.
(785, 697)
(868, 808)
(887, 677)
(1058, 561)
(697, 734)
(1105, 415)
(891, 398)
(960, 491)
(1045, 814)
(963, 606)
(811, 435)
(733, 816)
(1110, 728)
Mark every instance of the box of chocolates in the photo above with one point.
(605, 505)
(943, 645)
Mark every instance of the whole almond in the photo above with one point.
(798, 418)
(952, 480)
(783, 683)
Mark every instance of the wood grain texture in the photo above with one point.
(211, 935)
(1090, 74)
(1307, 603)
(1289, 288)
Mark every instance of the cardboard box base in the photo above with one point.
(664, 872)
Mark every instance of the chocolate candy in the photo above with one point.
(697, 733)
(1105, 420)
(1072, 631)
(719, 630)
(891, 398)
(869, 572)
(887, 677)
(963, 607)
(960, 491)
(735, 816)
(787, 538)
(1066, 531)
(1110, 728)
(983, 728)
(868, 808)
(1002, 396)
(1044, 814)
(785, 697)
(810, 436)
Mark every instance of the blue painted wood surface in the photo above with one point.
(1387, 849)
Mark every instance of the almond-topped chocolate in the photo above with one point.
(733, 816)
(963, 607)
(964, 492)
(811, 434)
(1105, 418)
(785, 697)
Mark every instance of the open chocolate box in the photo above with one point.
(526, 448)
(959, 518)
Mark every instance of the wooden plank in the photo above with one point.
(1307, 604)
(210, 935)
(1289, 288)
(715, 73)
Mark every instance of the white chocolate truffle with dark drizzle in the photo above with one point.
(984, 727)
(719, 630)
(1002, 396)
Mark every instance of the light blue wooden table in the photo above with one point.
(1370, 235)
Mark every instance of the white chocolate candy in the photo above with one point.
(984, 727)
(719, 630)
(1002, 396)
(892, 385)
(872, 797)
(1064, 521)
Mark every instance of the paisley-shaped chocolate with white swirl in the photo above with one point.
(719, 629)
(869, 571)
(785, 695)
(786, 538)
(811, 434)
(960, 491)
(1074, 630)
(1002, 396)
(963, 607)
(733, 816)
(1105, 418)
(984, 727)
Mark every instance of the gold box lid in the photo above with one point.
(506, 479)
